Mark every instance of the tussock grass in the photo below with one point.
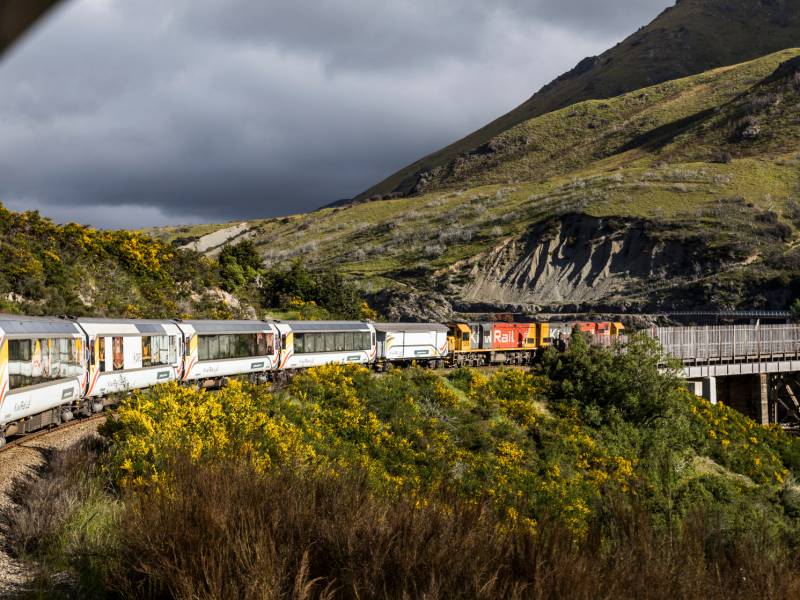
(61, 521)
(225, 532)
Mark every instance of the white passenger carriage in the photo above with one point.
(219, 349)
(315, 343)
(42, 372)
(404, 343)
(129, 354)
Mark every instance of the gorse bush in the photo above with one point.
(73, 269)
(409, 431)
(228, 424)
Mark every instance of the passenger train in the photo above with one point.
(54, 369)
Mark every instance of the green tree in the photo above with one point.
(239, 265)
(634, 381)
(327, 288)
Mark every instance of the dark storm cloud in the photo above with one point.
(139, 113)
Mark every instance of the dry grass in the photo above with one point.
(224, 532)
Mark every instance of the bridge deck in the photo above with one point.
(717, 351)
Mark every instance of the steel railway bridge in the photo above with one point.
(753, 368)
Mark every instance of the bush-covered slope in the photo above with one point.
(52, 269)
(690, 38)
(682, 194)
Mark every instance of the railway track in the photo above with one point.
(24, 439)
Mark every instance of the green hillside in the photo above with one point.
(690, 38)
(682, 194)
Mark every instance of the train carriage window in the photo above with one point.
(246, 346)
(229, 346)
(147, 351)
(225, 350)
(340, 342)
(65, 357)
(202, 348)
(366, 341)
(51, 359)
(19, 350)
(263, 344)
(348, 341)
(168, 349)
(160, 350)
(299, 343)
(35, 361)
(213, 347)
(101, 351)
(330, 342)
(118, 355)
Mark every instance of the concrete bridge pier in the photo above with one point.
(749, 394)
(709, 389)
(752, 395)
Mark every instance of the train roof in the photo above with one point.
(415, 327)
(327, 326)
(152, 326)
(21, 324)
(234, 326)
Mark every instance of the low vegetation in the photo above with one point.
(594, 475)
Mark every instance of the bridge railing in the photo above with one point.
(731, 343)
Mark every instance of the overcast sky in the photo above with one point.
(131, 113)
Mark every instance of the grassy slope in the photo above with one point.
(653, 154)
(692, 37)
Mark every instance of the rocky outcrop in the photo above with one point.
(212, 243)
(411, 305)
(579, 259)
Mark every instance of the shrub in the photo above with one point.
(325, 287)
(239, 264)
